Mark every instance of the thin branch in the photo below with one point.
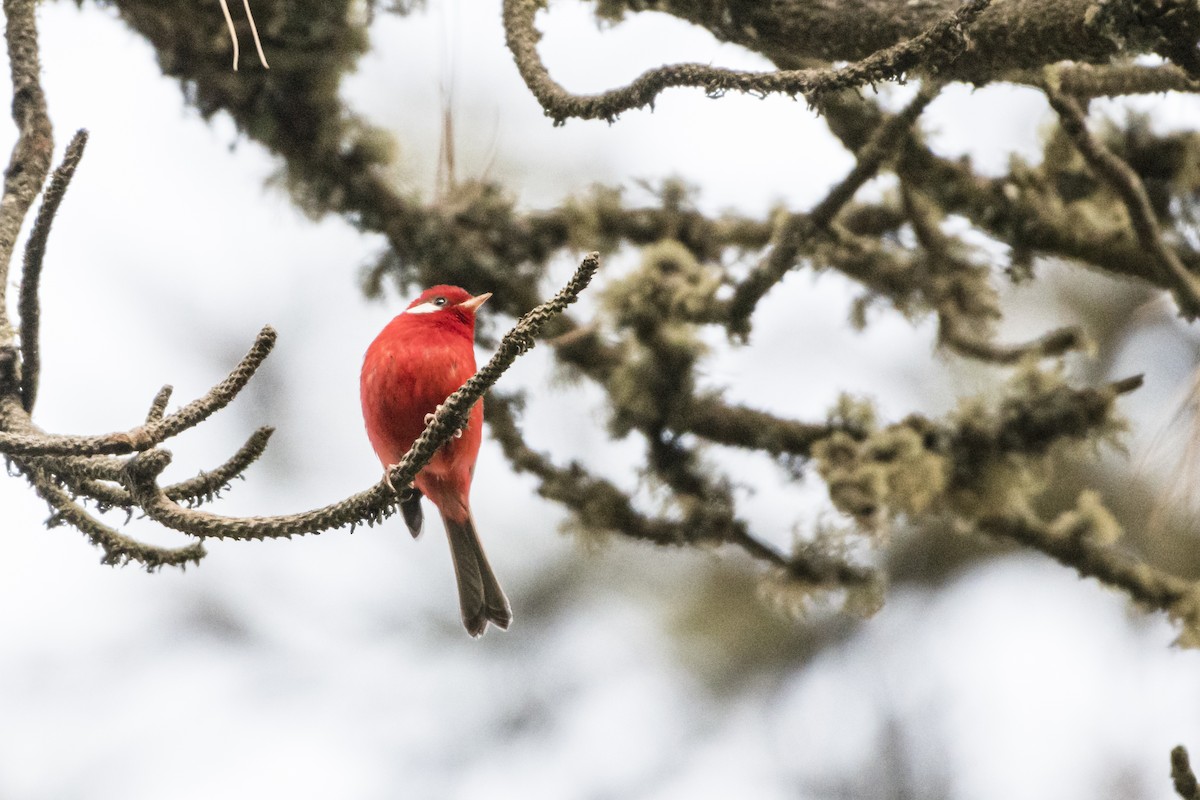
(712, 419)
(1132, 192)
(964, 317)
(1092, 557)
(1053, 344)
(144, 437)
(599, 505)
(800, 228)
(936, 47)
(158, 406)
(31, 272)
(206, 485)
(378, 502)
(212, 401)
(118, 548)
(97, 478)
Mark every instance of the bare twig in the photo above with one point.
(35, 253)
(938, 46)
(1050, 345)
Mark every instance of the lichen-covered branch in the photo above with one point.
(1011, 35)
(929, 50)
(599, 506)
(1084, 539)
(1128, 185)
(117, 548)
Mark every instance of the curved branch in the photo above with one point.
(1055, 343)
(937, 46)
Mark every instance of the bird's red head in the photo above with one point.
(446, 305)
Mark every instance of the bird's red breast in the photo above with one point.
(414, 364)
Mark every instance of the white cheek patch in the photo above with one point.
(424, 308)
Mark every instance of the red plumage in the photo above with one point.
(418, 360)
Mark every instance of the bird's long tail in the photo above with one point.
(479, 593)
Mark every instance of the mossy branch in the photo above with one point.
(938, 46)
(1127, 184)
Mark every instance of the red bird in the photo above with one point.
(416, 362)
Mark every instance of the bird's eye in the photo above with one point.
(439, 301)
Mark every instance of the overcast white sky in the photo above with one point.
(335, 665)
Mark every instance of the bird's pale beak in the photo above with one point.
(475, 302)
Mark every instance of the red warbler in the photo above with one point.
(419, 359)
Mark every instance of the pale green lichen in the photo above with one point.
(670, 284)
(1088, 520)
(988, 458)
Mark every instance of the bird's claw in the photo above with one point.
(429, 419)
(387, 479)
